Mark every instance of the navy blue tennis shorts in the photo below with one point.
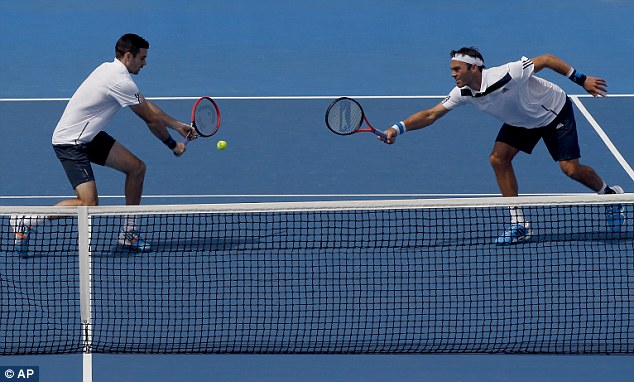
(560, 136)
(76, 159)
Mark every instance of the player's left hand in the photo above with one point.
(187, 131)
(596, 86)
(179, 149)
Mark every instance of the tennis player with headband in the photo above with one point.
(531, 109)
(79, 139)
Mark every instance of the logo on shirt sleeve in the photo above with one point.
(138, 97)
(446, 99)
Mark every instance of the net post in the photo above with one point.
(83, 229)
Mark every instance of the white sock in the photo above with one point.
(602, 190)
(517, 216)
(31, 221)
(129, 224)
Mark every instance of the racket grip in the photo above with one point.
(186, 141)
(379, 133)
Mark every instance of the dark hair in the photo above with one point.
(130, 42)
(471, 51)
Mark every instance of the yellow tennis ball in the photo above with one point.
(221, 145)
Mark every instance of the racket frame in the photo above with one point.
(368, 129)
(193, 118)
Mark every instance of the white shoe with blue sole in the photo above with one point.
(614, 213)
(132, 241)
(517, 233)
(22, 234)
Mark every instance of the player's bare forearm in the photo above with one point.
(182, 128)
(168, 120)
(598, 87)
(418, 121)
(146, 111)
(551, 62)
(425, 118)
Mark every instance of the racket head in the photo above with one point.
(205, 117)
(344, 116)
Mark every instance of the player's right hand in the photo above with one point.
(596, 86)
(391, 136)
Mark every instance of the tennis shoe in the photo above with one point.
(517, 233)
(132, 241)
(22, 234)
(614, 216)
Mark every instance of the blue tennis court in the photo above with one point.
(274, 66)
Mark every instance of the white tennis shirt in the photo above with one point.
(513, 94)
(108, 89)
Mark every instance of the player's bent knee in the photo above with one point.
(90, 202)
(569, 169)
(142, 167)
(498, 161)
(138, 169)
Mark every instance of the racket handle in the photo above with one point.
(379, 133)
(186, 141)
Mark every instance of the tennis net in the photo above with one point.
(407, 276)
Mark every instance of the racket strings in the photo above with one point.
(206, 118)
(345, 117)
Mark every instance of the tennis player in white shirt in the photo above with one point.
(79, 140)
(531, 109)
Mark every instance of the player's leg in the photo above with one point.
(501, 160)
(77, 167)
(86, 195)
(75, 160)
(562, 142)
(582, 174)
(614, 213)
(121, 159)
(509, 142)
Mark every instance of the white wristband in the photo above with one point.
(399, 127)
(572, 70)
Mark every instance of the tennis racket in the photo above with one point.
(345, 116)
(205, 118)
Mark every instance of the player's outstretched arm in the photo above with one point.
(598, 87)
(416, 121)
(157, 125)
(183, 129)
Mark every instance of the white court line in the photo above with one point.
(609, 96)
(242, 98)
(575, 99)
(283, 97)
(292, 196)
(604, 137)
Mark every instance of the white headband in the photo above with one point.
(468, 59)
